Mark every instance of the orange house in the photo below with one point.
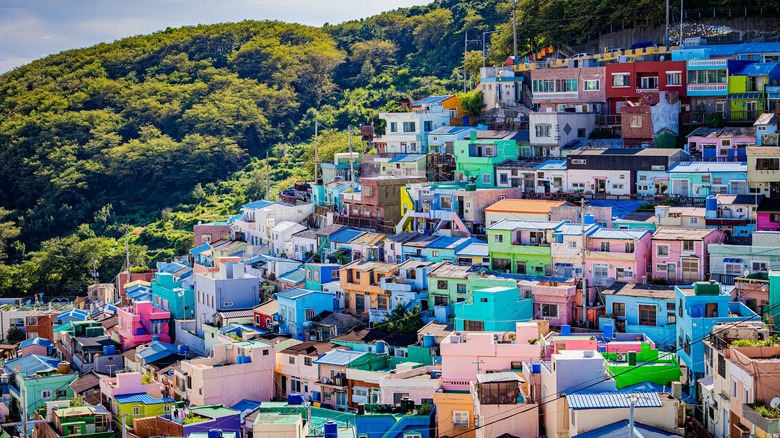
(360, 281)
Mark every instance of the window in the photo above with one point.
(767, 163)
(688, 245)
(621, 80)
(543, 130)
(393, 126)
(460, 419)
(434, 253)
(635, 121)
(647, 315)
(671, 318)
(572, 244)
(473, 326)
(46, 393)
(136, 410)
(605, 246)
(489, 151)
(310, 314)
(381, 302)
(441, 284)
(629, 247)
(662, 250)
(439, 300)
(483, 300)
(649, 82)
(503, 178)
(409, 127)
(591, 85)
(265, 353)
(581, 133)
(549, 310)
(486, 178)
(307, 361)
(428, 126)
(673, 78)
(498, 238)
(619, 309)
(759, 267)
(461, 288)
(544, 86)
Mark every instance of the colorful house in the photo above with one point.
(550, 131)
(628, 81)
(407, 132)
(697, 179)
(168, 293)
(699, 308)
(474, 254)
(318, 274)
(138, 324)
(721, 144)
(402, 165)
(522, 210)
(296, 371)
(378, 203)
(707, 84)
(493, 309)
(343, 163)
(747, 87)
(476, 157)
(333, 376)
(505, 395)
(642, 308)
(556, 300)
(763, 170)
(369, 246)
(36, 379)
(360, 282)
(728, 262)
(521, 247)
(442, 140)
(768, 215)
(227, 289)
(140, 405)
(447, 285)
(618, 255)
(680, 255)
(297, 306)
(69, 421)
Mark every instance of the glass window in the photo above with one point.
(662, 250)
(409, 127)
(591, 85)
(673, 78)
(549, 310)
(621, 80)
(647, 315)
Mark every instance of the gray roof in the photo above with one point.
(708, 167)
(505, 376)
(612, 400)
(509, 225)
(475, 249)
(339, 357)
(611, 233)
(659, 292)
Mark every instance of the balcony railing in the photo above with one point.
(707, 87)
(707, 63)
(647, 90)
(608, 120)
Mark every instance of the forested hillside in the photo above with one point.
(151, 134)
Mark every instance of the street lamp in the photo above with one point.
(484, 52)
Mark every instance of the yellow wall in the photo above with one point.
(446, 403)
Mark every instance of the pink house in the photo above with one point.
(607, 342)
(617, 255)
(722, 144)
(679, 255)
(554, 301)
(768, 215)
(138, 324)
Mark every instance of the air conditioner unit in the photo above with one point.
(621, 357)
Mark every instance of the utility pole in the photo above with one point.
(316, 151)
(267, 179)
(514, 28)
(667, 23)
(584, 270)
(351, 167)
(124, 425)
(634, 399)
(24, 413)
(465, 51)
(484, 49)
(682, 17)
(478, 363)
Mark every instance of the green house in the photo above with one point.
(647, 365)
(448, 284)
(81, 421)
(477, 156)
(140, 405)
(169, 294)
(495, 309)
(38, 379)
(521, 247)
(747, 87)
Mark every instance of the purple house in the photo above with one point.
(680, 254)
(768, 215)
(721, 144)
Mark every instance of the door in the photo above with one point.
(681, 187)
(600, 274)
(601, 186)
(752, 109)
(671, 273)
(520, 267)
(341, 399)
(661, 188)
(709, 151)
(690, 270)
(360, 303)
(284, 385)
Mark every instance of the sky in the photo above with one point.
(31, 29)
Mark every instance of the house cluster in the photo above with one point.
(513, 278)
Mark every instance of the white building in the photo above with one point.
(282, 233)
(549, 131)
(407, 132)
(260, 217)
(302, 242)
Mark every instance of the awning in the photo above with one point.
(745, 96)
(564, 265)
(732, 260)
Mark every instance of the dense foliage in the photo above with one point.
(166, 130)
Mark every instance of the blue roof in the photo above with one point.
(527, 277)
(708, 166)
(295, 276)
(157, 350)
(612, 400)
(298, 292)
(449, 130)
(258, 204)
(445, 242)
(552, 165)
(142, 397)
(599, 143)
(407, 158)
(246, 406)
(346, 235)
(238, 328)
(43, 342)
(620, 430)
(752, 68)
(654, 387)
(199, 249)
(432, 99)
(72, 315)
(725, 50)
(170, 268)
(568, 229)
(31, 365)
(339, 357)
(620, 209)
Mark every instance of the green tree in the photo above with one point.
(14, 335)
(8, 232)
(400, 320)
(472, 101)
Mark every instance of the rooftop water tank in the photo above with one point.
(589, 219)
(331, 429)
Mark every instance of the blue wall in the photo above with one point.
(663, 333)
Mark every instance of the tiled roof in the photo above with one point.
(575, 229)
(436, 328)
(475, 249)
(72, 314)
(339, 357)
(365, 266)
(369, 336)
(369, 239)
(612, 400)
(238, 313)
(723, 132)
(85, 382)
(306, 234)
(157, 350)
(142, 397)
(267, 308)
(530, 206)
(708, 166)
(403, 237)
(640, 290)
(330, 229)
(447, 270)
(682, 233)
(310, 348)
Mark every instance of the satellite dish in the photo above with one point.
(775, 403)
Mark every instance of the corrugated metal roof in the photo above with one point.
(258, 204)
(431, 100)
(531, 206)
(611, 233)
(552, 165)
(452, 271)
(575, 229)
(611, 400)
(475, 249)
(292, 294)
(449, 130)
(35, 341)
(295, 276)
(142, 397)
(708, 167)
(339, 357)
(620, 430)
(72, 315)
(660, 292)
(346, 235)
(446, 242)
(407, 158)
(31, 364)
(525, 225)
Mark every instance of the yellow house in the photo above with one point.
(455, 413)
(140, 405)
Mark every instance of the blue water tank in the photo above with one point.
(315, 396)
(536, 368)
(589, 219)
(711, 207)
(429, 341)
(560, 238)
(214, 433)
(243, 359)
(380, 347)
(435, 374)
(295, 399)
(331, 429)
(609, 331)
(565, 330)
(183, 349)
(109, 350)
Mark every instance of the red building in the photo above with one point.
(629, 81)
(40, 324)
(264, 314)
(211, 232)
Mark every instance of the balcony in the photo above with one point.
(702, 64)
(768, 425)
(647, 90)
(708, 89)
(337, 381)
(555, 95)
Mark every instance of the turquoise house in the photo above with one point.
(40, 378)
(494, 309)
(169, 294)
(476, 157)
(329, 195)
(699, 179)
(318, 274)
